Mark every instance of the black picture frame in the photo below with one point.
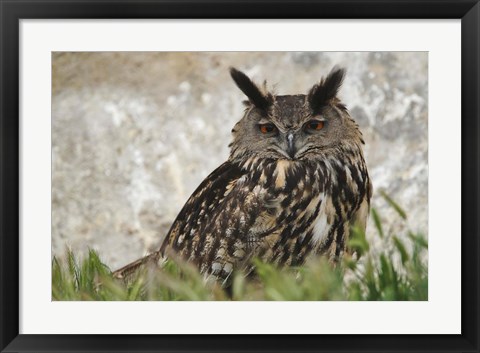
(13, 11)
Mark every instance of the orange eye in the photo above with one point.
(267, 128)
(315, 125)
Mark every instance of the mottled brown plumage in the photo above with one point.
(295, 182)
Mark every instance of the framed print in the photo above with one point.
(157, 196)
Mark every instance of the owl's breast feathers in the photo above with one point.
(276, 210)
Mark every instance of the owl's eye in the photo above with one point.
(267, 128)
(315, 125)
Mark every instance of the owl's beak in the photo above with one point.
(291, 144)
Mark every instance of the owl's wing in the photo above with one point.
(222, 222)
(360, 217)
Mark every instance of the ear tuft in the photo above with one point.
(250, 89)
(322, 93)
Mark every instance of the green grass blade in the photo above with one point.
(393, 204)
(401, 249)
(378, 223)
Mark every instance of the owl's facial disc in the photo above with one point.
(293, 127)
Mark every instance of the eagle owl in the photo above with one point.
(293, 185)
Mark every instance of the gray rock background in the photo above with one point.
(133, 134)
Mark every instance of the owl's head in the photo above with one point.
(293, 127)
